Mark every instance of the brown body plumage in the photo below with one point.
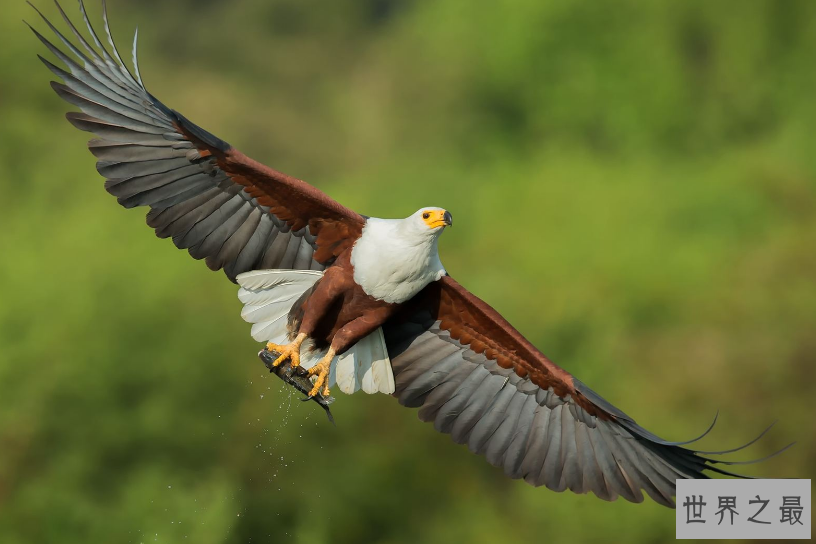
(337, 311)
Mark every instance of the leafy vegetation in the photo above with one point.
(633, 185)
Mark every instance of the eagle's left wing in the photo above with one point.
(476, 377)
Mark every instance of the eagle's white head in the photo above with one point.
(394, 259)
(427, 222)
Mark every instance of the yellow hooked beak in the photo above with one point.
(437, 218)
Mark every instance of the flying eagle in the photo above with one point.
(361, 302)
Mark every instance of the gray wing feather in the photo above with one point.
(184, 224)
(112, 113)
(119, 66)
(149, 163)
(157, 192)
(571, 475)
(553, 466)
(207, 225)
(232, 247)
(497, 444)
(531, 433)
(451, 410)
(254, 248)
(136, 57)
(121, 170)
(213, 243)
(478, 403)
(486, 426)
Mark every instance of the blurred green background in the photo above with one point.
(634, 186)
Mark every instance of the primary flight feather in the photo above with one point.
(363, 303)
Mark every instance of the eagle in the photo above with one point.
(360, 302)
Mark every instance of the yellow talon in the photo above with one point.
(321, 369)
(288, 351)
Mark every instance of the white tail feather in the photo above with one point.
(366, 366)
(346, 372)
(279, 290)
(268, 312)
(266, 330)
(268, 296)
(378, 377)
(261, 279)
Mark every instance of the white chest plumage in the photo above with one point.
(394, 260)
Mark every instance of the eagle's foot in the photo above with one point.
(321, 370)
(289, 351)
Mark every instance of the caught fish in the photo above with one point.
(297, 377)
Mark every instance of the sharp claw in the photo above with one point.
(321, 369)
(322, 374)
(316, 387)
(284, 354)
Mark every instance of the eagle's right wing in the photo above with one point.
(210, 198)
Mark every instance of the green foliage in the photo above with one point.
(633, 186)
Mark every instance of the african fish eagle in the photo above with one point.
(361, 302)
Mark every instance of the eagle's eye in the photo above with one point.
(426, 215)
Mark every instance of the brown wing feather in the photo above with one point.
(291, 200)
(476, 324)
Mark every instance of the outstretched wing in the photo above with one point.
(476, 377)
(210, 198)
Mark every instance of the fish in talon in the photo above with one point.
(297, 377)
